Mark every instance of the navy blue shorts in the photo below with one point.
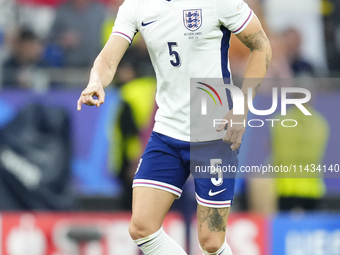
(167, 163)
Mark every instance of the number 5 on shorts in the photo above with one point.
(214, 169)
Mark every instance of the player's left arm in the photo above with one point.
(254, 37)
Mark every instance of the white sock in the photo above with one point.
(224, 250)
(159, 243)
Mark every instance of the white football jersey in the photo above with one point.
(185, 39)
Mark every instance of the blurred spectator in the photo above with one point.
(303, 145)
(38, 18)
(7, 16)
(139, 58)
(279, 67)
(282, 15)
(7, 24)
(111, 12)
(332, 34)
(7, 19)
(137, 55)
(77, 31)
(133, 127)
(24, 67)
(293, 41)
(35, 160)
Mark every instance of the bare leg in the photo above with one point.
(212, 224)
(149, 208)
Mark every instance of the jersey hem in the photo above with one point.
(164, 130)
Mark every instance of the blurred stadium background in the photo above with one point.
(65, 176)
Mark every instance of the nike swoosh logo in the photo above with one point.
(148, 23)
(216, 193)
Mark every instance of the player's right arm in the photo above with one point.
(103, 71)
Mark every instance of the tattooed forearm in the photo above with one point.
(216, 219)
(256, 41)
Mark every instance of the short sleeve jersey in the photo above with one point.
(185, 39)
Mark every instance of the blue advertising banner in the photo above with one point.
(306, 234)
(91, 134)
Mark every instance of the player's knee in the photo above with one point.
(136, 230)
(139, 229)
(210, 244)
(211, 247)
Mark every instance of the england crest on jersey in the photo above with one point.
(192, 19)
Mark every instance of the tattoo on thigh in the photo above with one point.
(215, 218)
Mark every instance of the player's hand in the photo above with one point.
(235, 131)
(93, 89)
